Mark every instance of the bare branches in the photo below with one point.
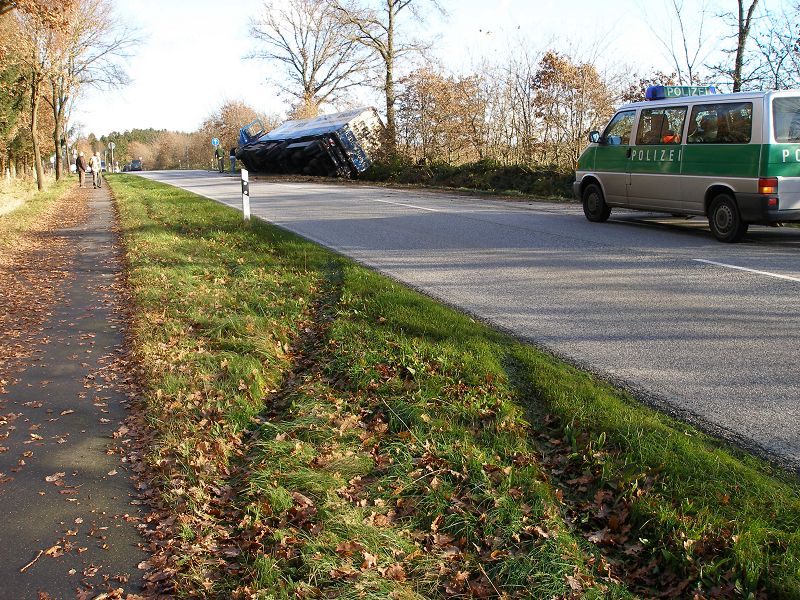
(683, 41)
(320, 60)
(374, 25)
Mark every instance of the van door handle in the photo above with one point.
(629, 153)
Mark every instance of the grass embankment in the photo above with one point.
(481, 176)
(321, 431)
(21, 205)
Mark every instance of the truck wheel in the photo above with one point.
(724, 219)
(594, 205)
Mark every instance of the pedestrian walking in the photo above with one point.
(97, 165)
(233, 159)
(80, 167)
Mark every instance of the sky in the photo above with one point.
(192, 55)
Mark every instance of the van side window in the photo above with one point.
(730, 123)
(661, 126)
(786, 120)
(618, 131)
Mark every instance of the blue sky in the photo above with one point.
(192, 55)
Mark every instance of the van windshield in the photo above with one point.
(786, 120)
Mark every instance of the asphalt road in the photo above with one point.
(706, 331)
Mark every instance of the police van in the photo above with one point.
(686, 150)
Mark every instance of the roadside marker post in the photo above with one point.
(245, 195)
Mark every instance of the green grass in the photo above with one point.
(322, 431)
(482, 176)
(25, 205)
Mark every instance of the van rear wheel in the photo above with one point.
(594, 204)
(724, 219)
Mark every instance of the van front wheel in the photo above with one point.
(594, 205)
(724, 219)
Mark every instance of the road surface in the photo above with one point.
(705, 331)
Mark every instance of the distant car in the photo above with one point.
(135, 165)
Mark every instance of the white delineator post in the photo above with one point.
(245, 195)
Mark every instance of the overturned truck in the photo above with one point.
(337, 145)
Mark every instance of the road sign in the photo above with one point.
(215, 141)
(111, 145)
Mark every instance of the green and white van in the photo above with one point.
(734, 158)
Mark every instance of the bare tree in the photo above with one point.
(374, 23)
(778, 50)
(87, 51)
(744, 21)
(321, 61)
(733, 69)
(523, 125)
(683, 40)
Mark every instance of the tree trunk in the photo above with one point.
(57, 145)
(391, 125)
(37, 156)
(744, 23)
(60, 100)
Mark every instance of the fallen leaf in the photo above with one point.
(395, 571)
(348, 548)
(370, 560)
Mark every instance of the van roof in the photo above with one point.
(710, 98)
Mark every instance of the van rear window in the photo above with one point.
(729, 123)
(786, 120)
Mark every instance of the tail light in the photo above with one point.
(767, 185)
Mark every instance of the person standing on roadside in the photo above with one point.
(220, 159)
(233, 159)
(96, 164)
(80, 167)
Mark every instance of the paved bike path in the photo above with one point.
(69, 528)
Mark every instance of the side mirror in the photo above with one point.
(594, 137)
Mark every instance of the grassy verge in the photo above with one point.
(482, 176)
(321, 431)
(21, 205)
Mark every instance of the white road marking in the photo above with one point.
(719, 264)
(408, 205)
